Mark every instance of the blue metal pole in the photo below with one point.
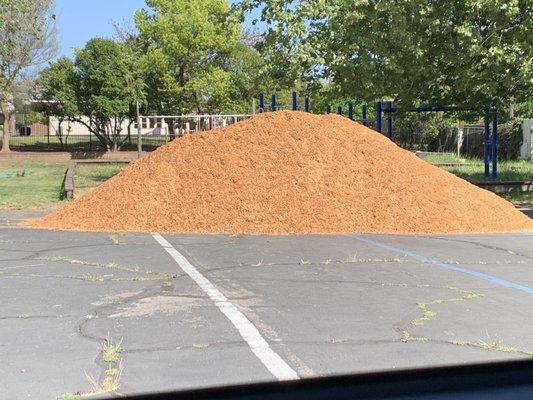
(294, 101)
(261, 102)
(378, 116)
(389, 119)
(273, 103)
(328, 109)
(350, 111)
(486, 146)
(495, 144)
(363, 115)
(306, 104)
(339, 110)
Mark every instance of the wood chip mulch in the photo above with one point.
(286, 172)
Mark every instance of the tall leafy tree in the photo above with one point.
(27, 41)
(103, 85)
(188, 44)
(56, 90)
(470, 52)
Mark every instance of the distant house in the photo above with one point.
(150, 125)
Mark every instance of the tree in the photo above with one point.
(27, 41)
(98, 90)
(471, 52)
(55, 89)
(187, 44)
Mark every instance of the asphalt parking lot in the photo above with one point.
(322, 304)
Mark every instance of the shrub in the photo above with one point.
(510, 139)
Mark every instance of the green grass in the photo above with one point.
(87, 176)
(507, 171)
(473, 168)
(41, 189)
(446, 158)
(519, 197)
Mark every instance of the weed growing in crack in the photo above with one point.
(111, 351)
(111, 265)
(427, 313)
(407, 337)
(115, 239)
(497, 345)
(92, 278)
(110, 383)
(337, 340)
(69, 396)
(457, 342)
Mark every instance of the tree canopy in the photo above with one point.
(188, 44)
(101, 84)
(470, 52)
(27, 40)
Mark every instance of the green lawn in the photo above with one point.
(520, 197)
(473, 168)
(39, 188)
(446, 158)
(87, 176)
(507, 171)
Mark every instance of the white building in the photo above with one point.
(151, 125)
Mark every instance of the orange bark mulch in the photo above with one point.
(286, 172)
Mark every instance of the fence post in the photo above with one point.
(363, 115)
(261, 102)
(328, 109)
(486, 146)
(339, 110)
(495, 144)
(294, 101)
(378, 116)
(273, 103)
(389, 119)
(306, 104)
(350, 111)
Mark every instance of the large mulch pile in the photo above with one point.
(286, 172)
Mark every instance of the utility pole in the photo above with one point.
(139, 144)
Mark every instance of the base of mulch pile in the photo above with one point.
(286, 172)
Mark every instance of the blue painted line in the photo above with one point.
(458, 268)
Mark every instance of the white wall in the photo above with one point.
(77, 128)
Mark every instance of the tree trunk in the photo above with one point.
(171, 128)
(4, 108)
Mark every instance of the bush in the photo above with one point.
(510, 139)
(426, 132)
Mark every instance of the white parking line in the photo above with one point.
(259, 346)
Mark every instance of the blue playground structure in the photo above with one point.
(387, 108)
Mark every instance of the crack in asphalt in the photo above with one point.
(486, 246)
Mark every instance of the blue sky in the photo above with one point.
(80, 20)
